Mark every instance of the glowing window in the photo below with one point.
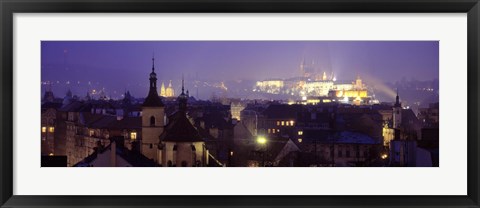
(291, 123)
(133, 135)
(91, 133)
(278, 130)
(278, 123)
(44, 129)
(300, 133)
(300, 140)
(51, 129)
(283, 123)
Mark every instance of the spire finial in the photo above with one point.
(183, 83)
(153, 61)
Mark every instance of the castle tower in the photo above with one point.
(153, 113)
(358, 83)
(397, 113)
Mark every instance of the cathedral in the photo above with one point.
(167, 92)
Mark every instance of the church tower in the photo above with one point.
(162, 90)
(397, 113)
(153, 113)
(181, 144)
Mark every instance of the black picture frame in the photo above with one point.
(10, 7)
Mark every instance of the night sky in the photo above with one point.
(124, 65)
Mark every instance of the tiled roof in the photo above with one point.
(342, 137)
(282, 111)
(179, 129)
(153, 100)
(134, 158)
(111, 122)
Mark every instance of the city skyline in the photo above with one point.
(85, 65)
(337, 110)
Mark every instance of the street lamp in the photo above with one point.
(263, 142)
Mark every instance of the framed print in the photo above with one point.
(248, 104)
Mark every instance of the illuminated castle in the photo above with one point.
(311, 84)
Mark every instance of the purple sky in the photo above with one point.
(120, 65)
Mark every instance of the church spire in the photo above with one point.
(183, 82)
(153, 62)
(152, 99)
(397, 100)
(153, 65)
(182, 98)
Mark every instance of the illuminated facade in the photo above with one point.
(236, 109)
(270, 86)
(317, 85)
(318, 88)
(167, 92)
(163, 93)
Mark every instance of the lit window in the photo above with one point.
(91, 133)
(300, 140)
(291, 123)
(278, 130)
(133, 135)
(283, 123)
(44, 129)
(300, 133)
(269, 131)
(51, 129)
(278, 123)
(51, 154)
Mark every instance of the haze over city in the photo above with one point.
(240, 104)
(117, 66)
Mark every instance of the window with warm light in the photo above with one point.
(278, 130)
(269, 131)
(51, 129)
(300, 133)
(300, 140)
(283, 123)
(278, 123)
(44, 129)
(133, 135)
(91, 133)
(291, 123)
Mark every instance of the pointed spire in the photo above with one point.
(153, 62)
(183, 83)
(397, 100)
